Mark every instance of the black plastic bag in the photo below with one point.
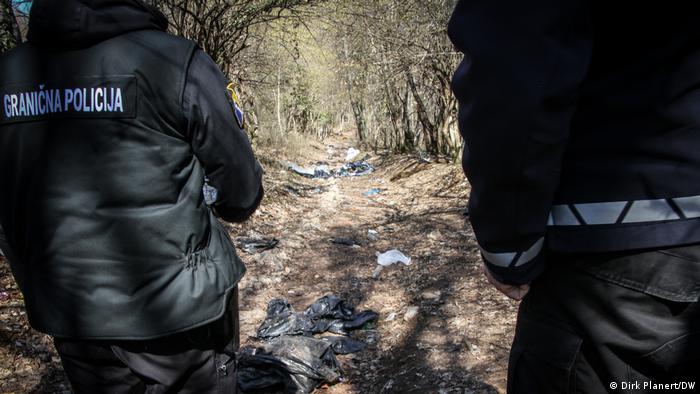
(344, 345)
(327, 314)
(292, 359)
(295, 364)
(256, 245)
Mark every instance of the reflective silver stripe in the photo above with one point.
(563, 216)
(690, 206)
(650, 211)
(508, 259)
(600, 213)
(641, 211)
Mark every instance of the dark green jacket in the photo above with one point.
(103, 156)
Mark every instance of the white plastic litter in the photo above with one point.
(392, 257)
(352, 153)
(372, 235)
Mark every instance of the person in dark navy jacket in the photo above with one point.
(581, 122)
(109, 127)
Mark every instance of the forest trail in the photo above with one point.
(458, 342)
(460, 339)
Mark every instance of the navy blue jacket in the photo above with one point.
(582, 127)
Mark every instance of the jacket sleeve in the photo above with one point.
(516, 87)
(219, 141)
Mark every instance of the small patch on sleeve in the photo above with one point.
(233, 98)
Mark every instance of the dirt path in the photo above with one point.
(458, 343)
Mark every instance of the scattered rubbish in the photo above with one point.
(255, 245)
(320, 171)
(357, 168)
(372, 337)
(328, 313)
(344, 345)
(296, 364)
(291, 359)
(352, 153)
(391, 317)
(377, 271)
(431, 295)
(314, 172)
(392, 257)
(411, 313)
(372, 192)
(4, 296)
(372, 235)
(344, 241)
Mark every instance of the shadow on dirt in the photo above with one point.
(426, 355)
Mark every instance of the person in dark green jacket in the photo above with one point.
(109, 127)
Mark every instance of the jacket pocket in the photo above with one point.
(678, 358)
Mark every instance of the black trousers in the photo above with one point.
(624, 323)
(198, 361)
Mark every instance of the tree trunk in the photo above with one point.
(280, 126)
(431, 133)
(358, 109)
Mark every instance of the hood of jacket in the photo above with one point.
(74, 24)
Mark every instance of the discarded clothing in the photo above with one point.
(328, 313)
(298, 364)
(256, 245)
(315, 172)
(344, 345)
(292, 359)
(357, 168)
